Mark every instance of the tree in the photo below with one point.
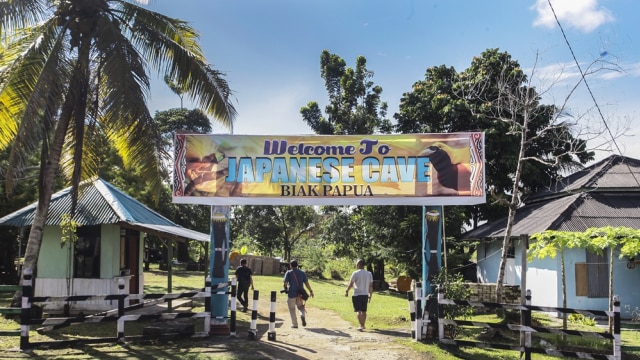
(274, 228)
(354, 101)
(544, 134)
(548, 244)
(74, 69)
(596, 240)
(527, 144)
(355, 108)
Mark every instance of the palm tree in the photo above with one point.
(72, 69)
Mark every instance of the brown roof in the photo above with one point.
(606, 193)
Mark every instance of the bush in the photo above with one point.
(581, 319)
(340, 269)
(453, 288)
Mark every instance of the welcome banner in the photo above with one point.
(409, 169)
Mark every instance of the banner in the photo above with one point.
(407, 169)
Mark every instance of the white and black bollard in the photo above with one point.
(234, 306)
(271, 335)
(412, 314)
(418, 330)
(254, 316)
(25, 316)
(207, 305)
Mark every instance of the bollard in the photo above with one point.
(440, 314)
(121, 298)
(207, 305)
(271, 335)
(25, 315)
(232, 325)
(207, 289)
(617, 353)
(412, 313)
(254, 316)
(527, 323)
(418, 330)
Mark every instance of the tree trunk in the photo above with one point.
(50, 157)
(49, 164)
(513, 205)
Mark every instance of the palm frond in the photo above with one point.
(172, 49)
(31, 88)
(19, 14)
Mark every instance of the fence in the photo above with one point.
(119, 316)
(526, 328)
(9, 310)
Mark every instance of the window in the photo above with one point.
(87, 252)
(592, 277)
(598, 273)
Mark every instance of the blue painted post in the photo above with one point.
(432, 219)
(219, 267)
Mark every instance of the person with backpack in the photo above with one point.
(294, 282)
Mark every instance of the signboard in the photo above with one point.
(407, 169)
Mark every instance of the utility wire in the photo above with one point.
(589, 89)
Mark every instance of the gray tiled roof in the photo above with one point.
(606, 193)
(102, 203)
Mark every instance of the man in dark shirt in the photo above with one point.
(245, 280)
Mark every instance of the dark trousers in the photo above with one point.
(243, 294)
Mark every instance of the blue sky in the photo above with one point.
(270, 52)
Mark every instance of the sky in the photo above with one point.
(269, 51)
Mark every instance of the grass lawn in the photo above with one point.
(387, 310)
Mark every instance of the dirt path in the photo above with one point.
(326, 336)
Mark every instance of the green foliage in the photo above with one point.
(477, 98)
(340, 268)
(274, 230)
(69, 227)
(354, 101)
(453, 287)
(581, 319)
(549, 242)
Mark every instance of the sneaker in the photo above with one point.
(304, 322)
(294, 326)
(244, 309)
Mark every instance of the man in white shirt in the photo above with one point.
(362, 283)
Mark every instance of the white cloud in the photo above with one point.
(584, 15)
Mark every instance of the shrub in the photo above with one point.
(453, 287)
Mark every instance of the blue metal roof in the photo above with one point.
(102, 203)
(604, 194)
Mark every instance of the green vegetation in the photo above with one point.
(388, 311)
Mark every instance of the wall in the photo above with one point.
(53, 257)
(544, 279)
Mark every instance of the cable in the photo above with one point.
(573, 55)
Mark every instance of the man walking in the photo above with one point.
(245, 280)
(295, 280)
(362, 283)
